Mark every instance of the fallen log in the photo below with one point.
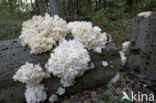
(13, 55)
(82, 18)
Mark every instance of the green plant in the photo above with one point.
(107, 96)
(101, 17)
(69, 101)
(8, 31)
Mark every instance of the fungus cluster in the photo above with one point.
(116, 78)
(53, 98)
(145, 14)
(68, 60)
(60, 91)
(35, 94)
(104, 63)
(88, 35)
(32, 75)
(42, 33)
(74, 59)
(124, 51)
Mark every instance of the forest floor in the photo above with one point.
(127, 82)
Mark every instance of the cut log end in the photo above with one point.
(143, 47)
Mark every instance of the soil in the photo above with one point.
(128, 82)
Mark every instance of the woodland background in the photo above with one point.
(113, 16)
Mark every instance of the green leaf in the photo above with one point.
(88, 100)
(67, 101)
(110, 101)
(75, 102)
(127, 101)
(106, 98)
(118, 99)
(110, 86)
(138, 102)
(108, 92)
(100, 101)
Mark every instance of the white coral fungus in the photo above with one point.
(60, 91)
(53, 98)
(115, 78)
(125, 47)
(123, 57)
(145, 14)
(68, 60)
(104, 63)
(42, 33)
(30, 74)
(91, 65)
(90, 36)
(124, 51)
(35, 94)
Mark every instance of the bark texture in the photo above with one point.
(142, 58)
(13, 55)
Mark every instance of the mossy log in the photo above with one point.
(13, 55)
(142, 57)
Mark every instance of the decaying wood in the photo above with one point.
(13, 55)
(142, 58)
(83, 18)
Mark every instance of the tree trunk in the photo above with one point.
(10, 2)
(81, 7)
(13, 55)
(36, 7)
(104, 4)
(64, 8)
(77, 8)
(96, 3)
(99, 4)
(70, 7)
(56, 7)
(31, 4)
(41, 7)
(142, 58)
(53, 7)
(88, 8)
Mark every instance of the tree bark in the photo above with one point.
(64, 8)
(142, 58)
(88, 8)
(13, 55)
(41, 7)
(53, 7)
(56, 7)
